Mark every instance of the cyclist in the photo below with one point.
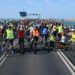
(60, 30)
(73, 39)
(31, 28)
(44, 33)
(1, 31)
(49, 28)
(35, 34)
(9, 37)
(63, 37)
(54, 29)
(52, 40)
(63, 44)
(21, 35)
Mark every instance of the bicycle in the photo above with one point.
(7, 48)
(68, 46)
(33, 44)
(21, 45)
(64, 46)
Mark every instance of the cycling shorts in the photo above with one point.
(11, 41)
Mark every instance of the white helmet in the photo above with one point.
(21, 28)
(1, 27)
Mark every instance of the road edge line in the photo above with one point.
(66, 58)
(67, 65)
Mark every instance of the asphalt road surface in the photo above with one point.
(42, 63)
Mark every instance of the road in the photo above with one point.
(42, 63)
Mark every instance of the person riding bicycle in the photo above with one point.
(60, 30)
(35, 33)
(73, 39)
(54, 29)
(9, 33)
(21, 35)
(1, 31)
(52, 39)
(63, 40)
(44, 33)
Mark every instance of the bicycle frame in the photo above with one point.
(22, 47)
(33, 44)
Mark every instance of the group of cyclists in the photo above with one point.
(47, 32)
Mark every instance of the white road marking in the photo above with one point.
(59, 52)
(3, 60)
(6, 51)
(5, 55)
(69, 62)
(68, 66)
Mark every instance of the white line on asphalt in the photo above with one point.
(69, 62)
(6, 51)
(5, 55)
(70, 69)
(3, 60)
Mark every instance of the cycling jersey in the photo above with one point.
(45, 31)
(63, 39)
(21, 33)
(60, 29)
(36, 32)
(54, 28)
(52, 38)
(73, 37)
(10, 34)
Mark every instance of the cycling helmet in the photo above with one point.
(21, 28)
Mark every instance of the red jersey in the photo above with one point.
(21, 34)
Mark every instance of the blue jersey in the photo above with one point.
(45, 31)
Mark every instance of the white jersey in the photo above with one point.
(31, 28)
(63, 39)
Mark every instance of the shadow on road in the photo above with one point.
(38, 51)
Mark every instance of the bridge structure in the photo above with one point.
(25, 15)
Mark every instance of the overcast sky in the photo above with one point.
(47, 8)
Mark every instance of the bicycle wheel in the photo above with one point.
(22, 49)
(68, 47)
(34, 47)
